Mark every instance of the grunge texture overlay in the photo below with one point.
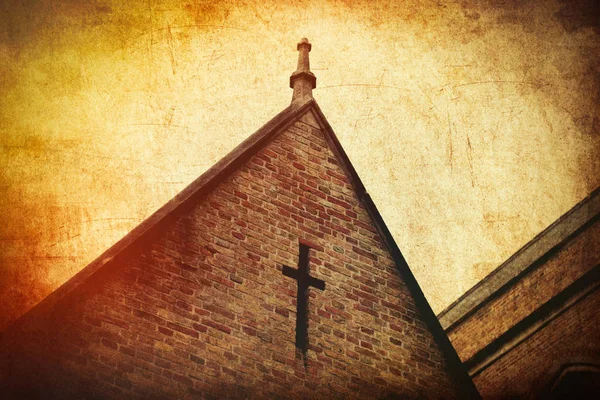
(473, 124)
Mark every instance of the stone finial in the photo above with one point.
(303, 81)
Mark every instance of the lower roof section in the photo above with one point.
(523, 261)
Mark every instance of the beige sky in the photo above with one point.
(474, 125)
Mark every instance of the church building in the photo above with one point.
(272, 275)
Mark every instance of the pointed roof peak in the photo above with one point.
(303, 81)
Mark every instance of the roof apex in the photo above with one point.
(203, 185)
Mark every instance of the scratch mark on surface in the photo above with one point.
(380, 83)
(451, 156)
(494, 218)
(212, 59)
(170, 41)
(110, 219)
(204, 26)
(435, 115)
(65, 240)
(536, 84)
(151, 40)
(355, 125)
(366, 85)
(458, 65)
(368, 114)
(164, 125)
(470, 156)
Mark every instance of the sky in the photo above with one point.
(473, 124)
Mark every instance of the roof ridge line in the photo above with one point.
(195, 189)
(589, 206)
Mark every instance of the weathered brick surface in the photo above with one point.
(529, 368)
(205, 311)
(572, 261)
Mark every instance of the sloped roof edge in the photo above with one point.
(457, 368)
(524, 260)
(214, 175)
(194, 190)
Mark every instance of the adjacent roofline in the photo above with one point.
(538, 319)
(522, 262)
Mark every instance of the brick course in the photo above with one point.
(203, 309)
(529, 368)
(577, 257)
(544, 319)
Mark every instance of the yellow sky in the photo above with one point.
(474, 125)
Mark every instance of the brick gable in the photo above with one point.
(201, 307)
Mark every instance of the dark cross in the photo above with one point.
(304, 282)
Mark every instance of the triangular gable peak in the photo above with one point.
(372, 328)
(174, 208)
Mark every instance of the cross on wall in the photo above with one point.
(305, 281)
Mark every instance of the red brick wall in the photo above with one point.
(574, 259)
(531, 366)
(206, 310)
